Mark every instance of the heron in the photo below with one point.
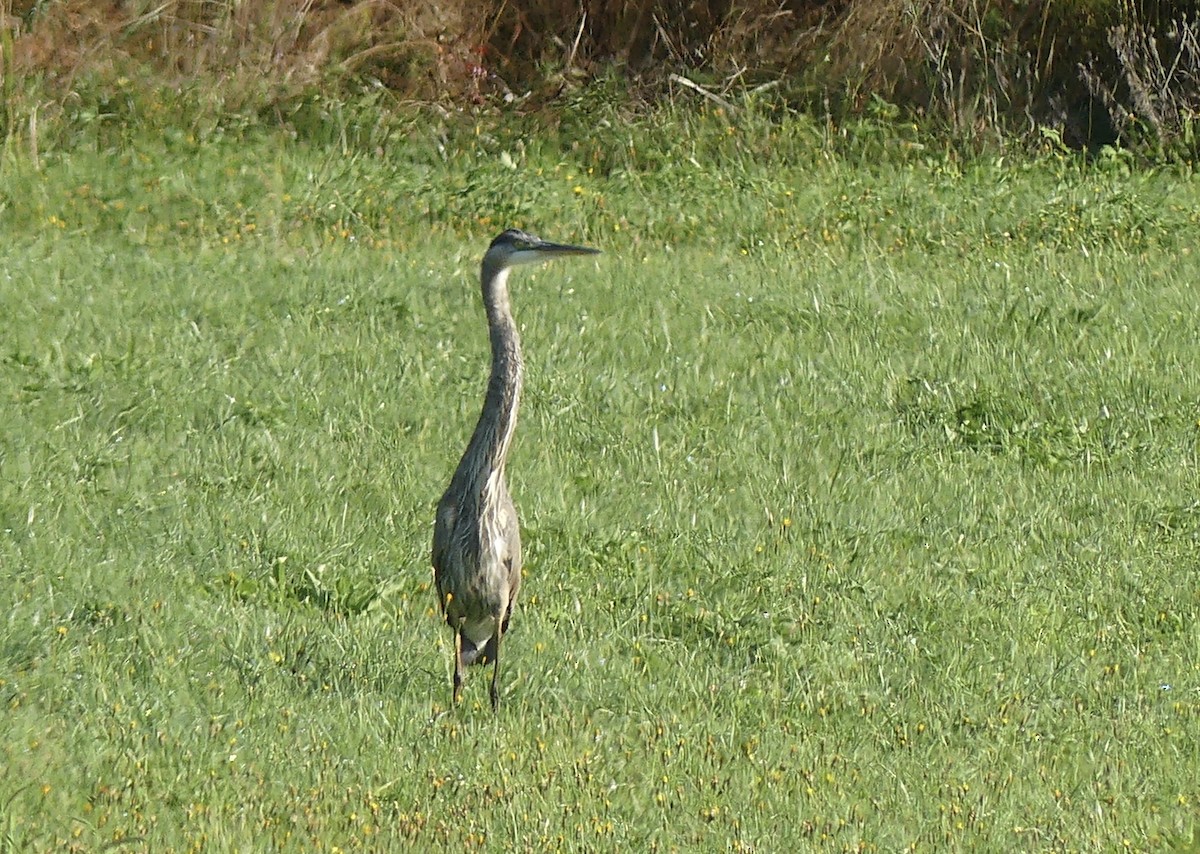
(476, 536)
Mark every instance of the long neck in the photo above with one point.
(488, 448)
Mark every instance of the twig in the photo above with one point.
(578, 36)
(696, 87)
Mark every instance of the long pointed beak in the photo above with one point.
(559, 250)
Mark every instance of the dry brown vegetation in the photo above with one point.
(1092, 70)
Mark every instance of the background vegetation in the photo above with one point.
(858, 476)
(1091, 71)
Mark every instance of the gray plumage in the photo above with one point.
(476, 537)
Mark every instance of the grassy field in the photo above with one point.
(858, 483)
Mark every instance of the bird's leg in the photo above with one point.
(492, 651)
(495, 651)
(458, 666)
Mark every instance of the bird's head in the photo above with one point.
(514, 247)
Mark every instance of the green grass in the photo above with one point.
(858, 486)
